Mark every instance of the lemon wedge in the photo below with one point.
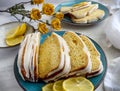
(58, 85)
(19, 31)
(14, 41)
(77, 84)
(23, 29)
(48, 87)
(12, 33)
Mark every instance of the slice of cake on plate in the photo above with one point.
(97, 66)
(79, 54)
(94, 16)
(54, 58)
(84, 12)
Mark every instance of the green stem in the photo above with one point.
(21, 3)
(16, 18)
(4, 11)
(45, 22)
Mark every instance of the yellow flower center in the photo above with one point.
(42, 28)
(48, 9)
(35, 14)
(59, 15)
(56, 24)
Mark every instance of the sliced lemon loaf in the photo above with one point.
(84, 12)
(94, 16)
(97, 66)
(52, 62)
(79, 55)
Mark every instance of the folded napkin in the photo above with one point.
(112, 78)
(112, 30)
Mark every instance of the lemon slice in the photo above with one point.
(77, 84)
(12, 33)
(48, 87)
(58, 85)
(20, 30)
(14, 41)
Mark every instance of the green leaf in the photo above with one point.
(23, 17)
(47, 22)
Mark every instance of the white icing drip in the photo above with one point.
(19, 62)
(31, 68)
(37, 51)
(32, 42)
(99, 71)
(28, 56)
(35, 44)
(61, 65)
(67, 65)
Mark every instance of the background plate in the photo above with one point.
(70, 3)
(4, 28)
(29, 86)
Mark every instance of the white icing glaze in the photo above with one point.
(27, 56)
(32, 42)
(19, 62)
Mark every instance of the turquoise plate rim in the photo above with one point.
(69, 3)
(30, 86)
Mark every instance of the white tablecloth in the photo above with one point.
(7, 55)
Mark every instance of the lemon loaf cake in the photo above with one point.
(79, 54)
(67, 9)
(54, 58)
(94, 16)
(67, 66)
(28, 57)
(97, 66)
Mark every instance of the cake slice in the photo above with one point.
(53, 60)
(67, 66)
(84, 12)
(94, 16)
(81, 5)
(79, 54)
(97, 66)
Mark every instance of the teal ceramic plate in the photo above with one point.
(70, 3)
(29, 86)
